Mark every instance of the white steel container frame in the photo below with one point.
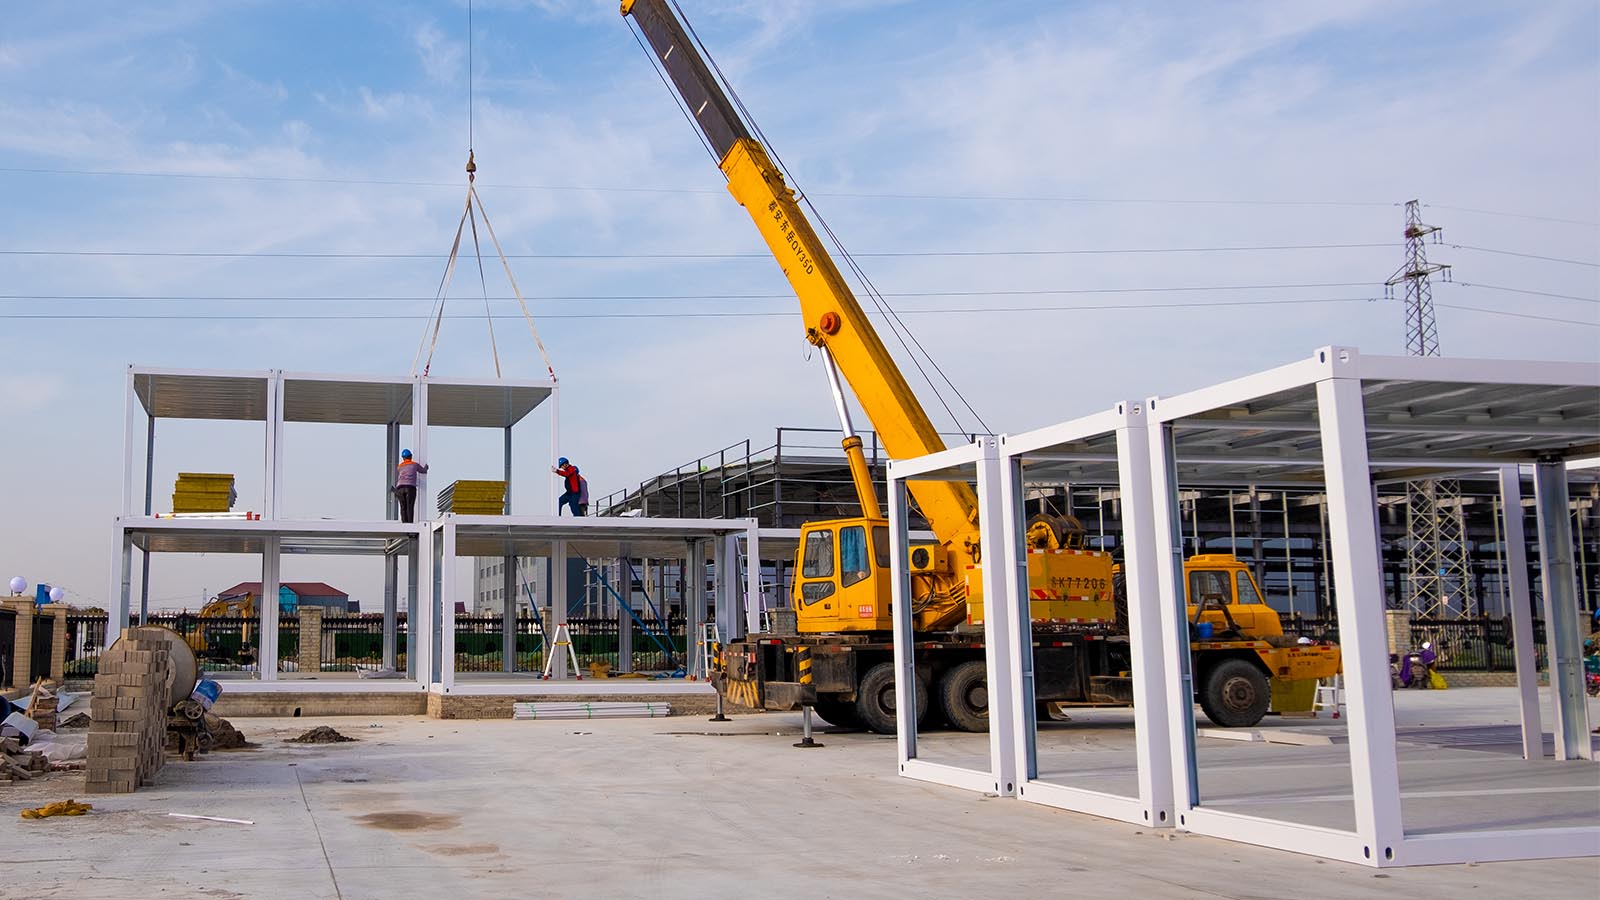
(1166, 752)
(270, 529)
(737, 599)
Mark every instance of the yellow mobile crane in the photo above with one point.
(840, 659)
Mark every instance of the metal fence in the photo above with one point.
(351, 643)
(1481, 644)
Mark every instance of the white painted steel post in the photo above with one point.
(272, 499)
(419, 444)
(121, 589)
(434, 636)
(131, 403)
(1141, 579)
(754, 599)
(694, 610)
(149, 508)
(1559, 579)
(558, 608)
(508, 588)
(447, 608)
(1020, 631)
(905, 664)
(1516, 560)
(555, 439)
(1358, 583)
(391, 560)
(729, 587)
(267, 608)
(419, 618)
(1166, 525)
(998, 618)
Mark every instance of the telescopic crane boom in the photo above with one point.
(834, 320)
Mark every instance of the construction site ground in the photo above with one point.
(682, 807)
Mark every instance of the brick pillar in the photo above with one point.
(310, 638)
(1399, 630)
(22, 652)
(58, 641)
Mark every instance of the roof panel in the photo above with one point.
(333, 400)
(237, 396)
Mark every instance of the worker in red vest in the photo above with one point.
(573, 484)
(405, 484)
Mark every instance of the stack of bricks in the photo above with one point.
(128, 713)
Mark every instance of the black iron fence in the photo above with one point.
(351, 643)
(1482, 644)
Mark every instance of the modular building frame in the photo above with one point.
(1337, 418)
(275, 397)
(698, 542)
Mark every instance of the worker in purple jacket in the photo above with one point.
(405, 485)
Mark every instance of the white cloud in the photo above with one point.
(441, 56)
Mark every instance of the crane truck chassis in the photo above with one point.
(1246, 668)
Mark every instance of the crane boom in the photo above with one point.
(833, 318)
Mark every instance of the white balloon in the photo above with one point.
(57, 594)
(19, 584)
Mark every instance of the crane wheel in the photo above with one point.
(964, 696)
(875, 699)
(840, 713)
(1236, 694)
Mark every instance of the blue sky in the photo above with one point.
(888, 113)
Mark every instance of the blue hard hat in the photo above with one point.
(405, 454)
(562, 461)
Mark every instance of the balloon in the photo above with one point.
(19, 584)
(58, 594)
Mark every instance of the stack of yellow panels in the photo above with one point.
(203, 492)
(474, 498)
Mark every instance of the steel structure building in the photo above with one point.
(1343, 423)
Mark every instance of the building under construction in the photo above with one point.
(1282, 533)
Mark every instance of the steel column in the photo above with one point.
(272, 499)
(149, 508)
(1166, 528)
(1140, 564)
(1000, 629)
(391, 601)
(267, 609)
(694, 609)
(1018, 637)
(1516, 571)
(905, 664)
(121, 588)
(131, 403)
(1358, 585)
(558, 608)
(1561, 611)
(754, 597)
(447, 606)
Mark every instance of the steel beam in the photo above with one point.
(1516, 560)
(1561, 611)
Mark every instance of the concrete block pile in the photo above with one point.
(128, 713)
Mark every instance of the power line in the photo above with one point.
(1040, 292)
(1512, 215)
(601, 188)
(1495, 287)
(1559, 259)
(695, 315)
(1518, 315)
(296, 254)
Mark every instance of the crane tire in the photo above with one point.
(964, 696)
(875, 699)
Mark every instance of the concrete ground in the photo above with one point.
(660, 808)
(1460, 756)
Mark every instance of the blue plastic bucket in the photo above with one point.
(206, 693)
(1203, 630)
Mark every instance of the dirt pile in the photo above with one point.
(321, 734)
(223, 735)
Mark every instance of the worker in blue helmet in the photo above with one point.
(575, 489)
(405, 485)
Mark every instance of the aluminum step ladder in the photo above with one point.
(1330, 695)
